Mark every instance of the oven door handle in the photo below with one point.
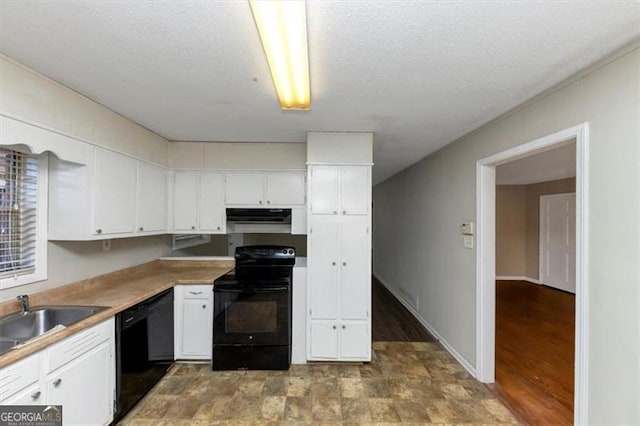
(250, 289)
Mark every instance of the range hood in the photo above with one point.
(258, 220)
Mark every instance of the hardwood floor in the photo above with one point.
(535, 351)
(392, 322)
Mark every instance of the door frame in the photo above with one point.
(541, 228)
(485, 257)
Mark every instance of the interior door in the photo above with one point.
(558, 241)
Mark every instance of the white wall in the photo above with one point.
(418, 213)
(31, 97)
(237, 155)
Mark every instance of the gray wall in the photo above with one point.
(418, 213)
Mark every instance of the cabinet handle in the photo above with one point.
(335, 212)
(141, 228)
(344, 263)
(195, 292)
(36, 395)
(268, 202)
(218, 228)
(344, 326)
(193, 227)
(204, 306)
(260, 202)
(344, 212)
(334, 327)
(333, 263)
(57, 382)
(98, 231)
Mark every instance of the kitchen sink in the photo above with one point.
(20, 327)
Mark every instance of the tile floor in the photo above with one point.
(406, 382)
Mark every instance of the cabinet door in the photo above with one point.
(185, 201)
(355, 270)
(285, 188)
(85, 387)
(197, 321)
(152, 198)
(245, 188)
(212, 211)
(323, 270)
(323, 343)
(115, 193)
(355, 190)
(323, 189)
(355, 343)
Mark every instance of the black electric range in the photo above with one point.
(252, 310)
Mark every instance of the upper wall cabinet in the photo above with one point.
(114, 196)
(339, 190)
(265, 189)
(198, 202)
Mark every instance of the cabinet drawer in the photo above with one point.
(79, 343)
(201, 292)
(18, 376)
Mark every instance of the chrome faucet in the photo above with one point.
(24, 300)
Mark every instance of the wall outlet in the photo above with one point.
(106, 245)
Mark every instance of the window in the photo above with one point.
(22, 218)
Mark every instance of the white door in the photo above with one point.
(323, 342)
(196, 330)
(115, 195)
(212, 210)
(558, 241)
(152, 198)
(323, 190)
(323, 270)
(185, 201)
(355, 273)
(285, 188)
(355, 190)
(354, 340)
(85, 388)
(245, 188)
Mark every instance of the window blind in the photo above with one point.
(18, 213)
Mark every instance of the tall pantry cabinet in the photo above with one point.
(339, 246)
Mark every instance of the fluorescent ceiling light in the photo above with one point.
(283, 30)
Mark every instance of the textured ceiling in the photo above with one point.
(418, 74)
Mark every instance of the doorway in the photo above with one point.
(486, 259)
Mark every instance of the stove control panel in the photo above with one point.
(265, 252)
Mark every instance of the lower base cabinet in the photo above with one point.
(77, 373)
(339, 340)
(193, 313)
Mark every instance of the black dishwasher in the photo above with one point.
(144, 344)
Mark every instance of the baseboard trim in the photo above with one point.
(462, 360)
(517, 278)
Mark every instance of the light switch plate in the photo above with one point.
(468, 241)
(466, 228)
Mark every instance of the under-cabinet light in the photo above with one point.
(283, 30)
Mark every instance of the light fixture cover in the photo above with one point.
(283, 30)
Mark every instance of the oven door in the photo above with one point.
(251, 316)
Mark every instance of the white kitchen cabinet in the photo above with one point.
(339, 190)
(77, 372)
(152, 198)
(115, 193)
(20, 382)
(85, 387)
(193, 325)
(339, 288)
(265, 189)
(198, 202)
(112, 196)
